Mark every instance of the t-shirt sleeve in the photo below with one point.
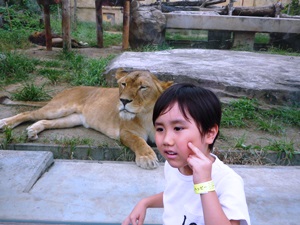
(233, 200)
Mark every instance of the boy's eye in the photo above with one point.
(178, 128)
(159, 129)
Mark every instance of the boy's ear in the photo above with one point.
(212, 133)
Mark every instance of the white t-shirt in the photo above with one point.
(183, 207)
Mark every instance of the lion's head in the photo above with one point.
(138, 92)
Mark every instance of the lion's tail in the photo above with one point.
(4, 100)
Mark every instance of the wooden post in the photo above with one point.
(98, 5)
(126, 20)
(75, 15)
(66, 25)
(47, 25)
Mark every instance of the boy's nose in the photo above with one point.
(168, 139)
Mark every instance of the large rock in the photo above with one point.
(273, 79)
(147, 26)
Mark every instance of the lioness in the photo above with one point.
(123, 113)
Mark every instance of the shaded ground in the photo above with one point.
(228, 139)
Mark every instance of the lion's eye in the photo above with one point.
(143, 87)
(123, 84)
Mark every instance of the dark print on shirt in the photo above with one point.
(184, 219)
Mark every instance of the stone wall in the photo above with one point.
(86, 12)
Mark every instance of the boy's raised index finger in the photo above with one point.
(194, 148)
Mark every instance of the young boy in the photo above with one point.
(200, 189)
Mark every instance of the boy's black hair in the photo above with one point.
(200, 103)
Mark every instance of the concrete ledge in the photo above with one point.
(83, 152)
(89, 192)
(20, 170)
(195, 20)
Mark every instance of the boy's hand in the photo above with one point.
(137, 216)
(200, 164)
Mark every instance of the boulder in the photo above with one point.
(147, 25)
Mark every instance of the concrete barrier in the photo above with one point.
(243, 27)
(100, 192)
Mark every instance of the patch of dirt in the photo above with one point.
(228, 138)
(42, 53)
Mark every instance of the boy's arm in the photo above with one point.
(138, 214)
(213, 212)
(212, 209)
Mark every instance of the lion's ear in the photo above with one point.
(166, 84)
(120, 73)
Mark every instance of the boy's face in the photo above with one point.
(173, 132)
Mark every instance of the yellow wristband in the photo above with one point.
(204, 188)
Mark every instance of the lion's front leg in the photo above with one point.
(11, 122)
(145, 157)
(64, 122)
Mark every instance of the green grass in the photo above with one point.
(73, 141)
(53, 75)
(86, 32)
(237, 112)
(68, 67)
(190, 35)
(16, 39)
(244, 112)
(153, 48)
(31, 92)
(279, 51)
(284, 148)
(15, 67)
(83, 70)
(262, 38)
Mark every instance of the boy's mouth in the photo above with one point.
(170, 153)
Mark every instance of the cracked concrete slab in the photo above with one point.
(99, 192)
(20, 170)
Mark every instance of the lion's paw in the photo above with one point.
(147, 162)
(3, 124)
(31, 133)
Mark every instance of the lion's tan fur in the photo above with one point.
(123, 113)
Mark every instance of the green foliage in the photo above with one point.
(236, 113)
(293, 8)
(279, 51)
(284, 148)
(52, 74)
(73, 141)
(269, 125)
(15, 39)
(262, 38)
(240, 143)
(15, 19)
(86, 32)
(111, 39)
(8, 137)
(31, 92)
(153, 48)
(288, 115)
(15, 67)
(189, 35)
(85, 71)
(243, 112)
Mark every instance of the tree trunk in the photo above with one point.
(98, 5)
(253, 11)
(193, 3)
(66, 25)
